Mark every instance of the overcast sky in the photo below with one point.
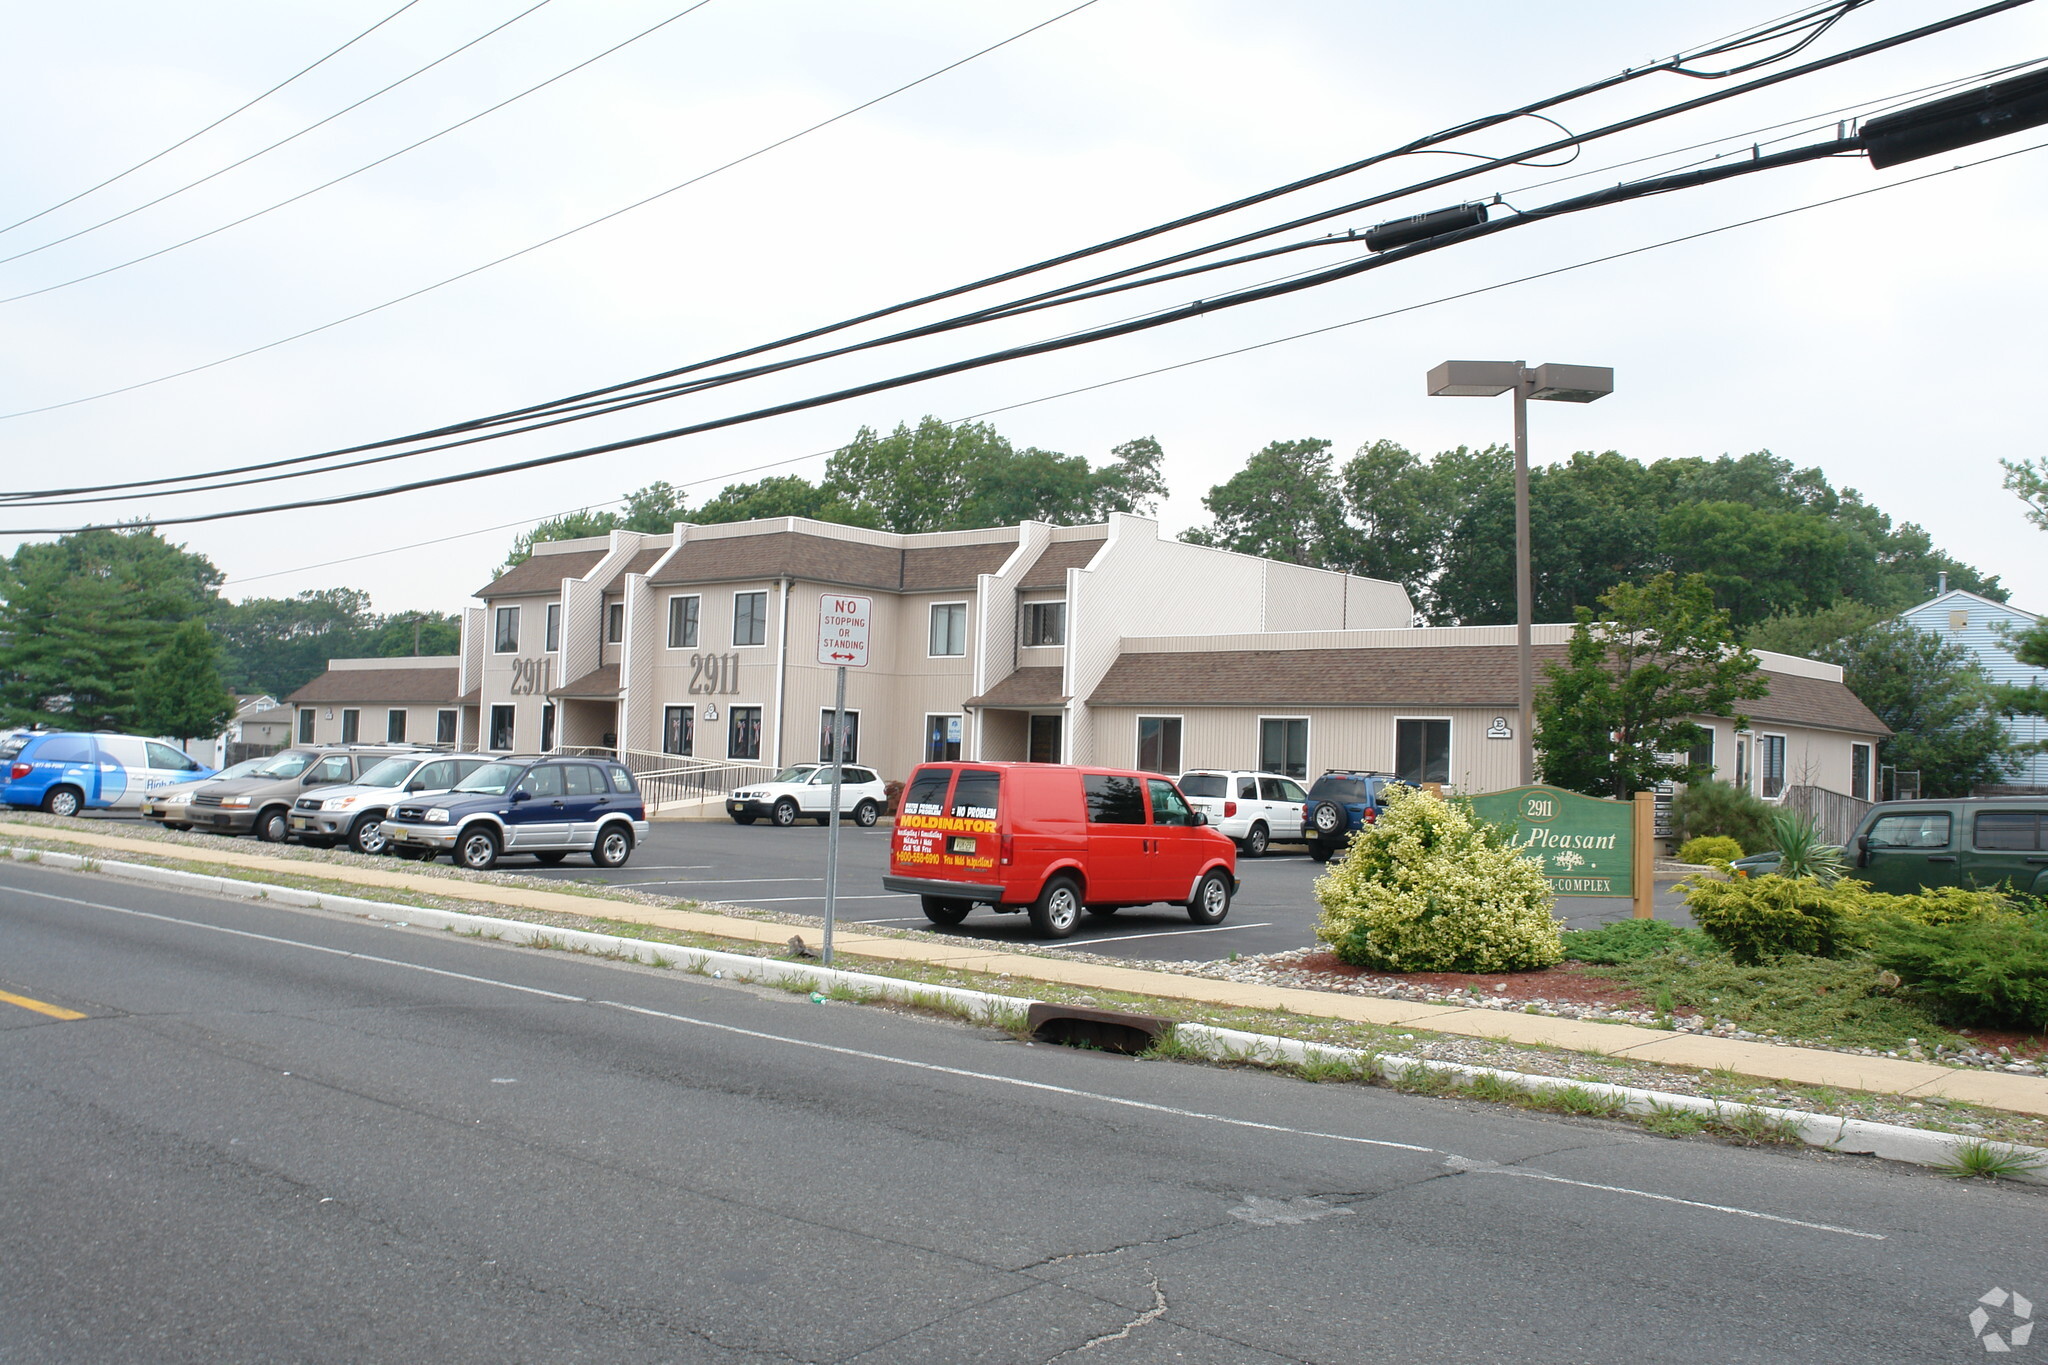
(1893, 340)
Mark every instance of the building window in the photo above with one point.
(1742, 762)
(547, 726)
(1045, 739)
(1859, 771)
(505, 639)
(750, 618)
(1701, 756)
(1045, 623)
(851, 727)
(1283, 745)
(942, 735)
(394, 727)
(1422, 751)
(615, 623)
(743, 732)
(679, 725)
(949, 630)
(1159, 744)
(554, 627)
(501, 728)
(682, 622)
(1770, 765)
(351, 723)
(444, 727)
(305, 726)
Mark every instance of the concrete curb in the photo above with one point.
(1857, 1137)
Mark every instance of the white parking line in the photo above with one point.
(744, 881)
(783, 900)
(1169, 933)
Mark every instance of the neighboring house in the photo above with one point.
(1983, 627)
(379, 701)
(262, 725)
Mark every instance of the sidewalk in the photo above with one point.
(1795, 1065)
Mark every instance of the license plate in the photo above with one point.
(301, 822)
(220, 819)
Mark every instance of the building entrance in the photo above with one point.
(1044, 744)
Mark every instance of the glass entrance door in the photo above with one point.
(1044, 744)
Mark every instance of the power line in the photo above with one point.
(1496, 286)
(613, 405)
(129, 213)
(464, 123)
(978, 362)
(213, 125)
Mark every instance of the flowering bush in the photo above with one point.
(1429, 889)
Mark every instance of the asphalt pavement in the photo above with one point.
(242, 1132)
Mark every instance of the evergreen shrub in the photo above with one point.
(1709, 807)
(1429, 888)
(1709, 848)
(1983, 970)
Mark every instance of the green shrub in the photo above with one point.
(1984, 970)
(1759, 918)
(1801, 849)
(1429, 889)
(1711, 807)
(1709, 848)
(1851, 1002)
(1629, 940)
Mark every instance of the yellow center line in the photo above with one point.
(54, 1011)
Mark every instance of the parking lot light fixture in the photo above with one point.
(1550, 383)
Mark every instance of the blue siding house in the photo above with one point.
(1981, 626)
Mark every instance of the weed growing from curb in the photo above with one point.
(1978, 1160)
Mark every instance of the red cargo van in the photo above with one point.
(1050, 840)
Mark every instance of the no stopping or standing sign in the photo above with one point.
(843, 629)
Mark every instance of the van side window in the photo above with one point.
(926, 794)
(1920, 829)
(65, 749)
(974, 795)
(2013, 830)
(1113, 800)
(1167, 807)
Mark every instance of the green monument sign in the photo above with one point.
(1586, 845)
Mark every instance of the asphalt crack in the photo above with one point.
(1150, 1315)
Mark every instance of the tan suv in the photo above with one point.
(261, 802)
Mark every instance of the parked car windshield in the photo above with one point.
(243, 769)
(392, 772)
(493, 779)
(1340, 789)
(286, 764)
(1205, 784)
(800, 773)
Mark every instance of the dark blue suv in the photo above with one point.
(547, 807)
(1342, 802)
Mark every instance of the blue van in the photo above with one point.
(66, 771)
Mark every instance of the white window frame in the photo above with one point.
(351, 725)
(1138, 743)
(1307, 748)
(551, 637)
(450, 720)
(511, 730)
(1450, 753)
(761, 643)
(1024, 633)
(1869, 770)
(499, 619)
(931, 630)
(760, 731)
(397, 717)
(306, 722)
(615, 615)
(698, 624)
(690, 748)
(926, 738)
(1763, 778)
(824, 728)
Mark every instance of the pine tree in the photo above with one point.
(182, 695)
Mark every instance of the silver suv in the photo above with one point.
(356, 812)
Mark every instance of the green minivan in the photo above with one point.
(1902, 846)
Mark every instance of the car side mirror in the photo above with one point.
(522, 795)
(1201, 817)
(415, 787)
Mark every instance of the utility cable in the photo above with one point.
(391, 156)
(213, 125)
(104, 222)
(976, 362)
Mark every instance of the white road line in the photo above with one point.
(1464, 1163)
(746, 881)
(784, 900)
(1164, 933)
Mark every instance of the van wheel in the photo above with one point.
(271, 826)
(866, 813)
(1256, 841)
(785, 812)
(63, 801)
(614, 845)
(1211, 901)
(940, 910)
(477, 850)
(368, 836)
(1057, 910)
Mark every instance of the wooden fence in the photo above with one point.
(1833, 814)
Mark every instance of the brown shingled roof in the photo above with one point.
(599, 683)
(400, 686)
(1024, 687)
(1050, 570)
(1446, 675)
(542, 573)
(952, 566)
(641, 562)
(795, 554)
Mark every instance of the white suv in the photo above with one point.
(806, 789)
(1255, 809)
(355, 813)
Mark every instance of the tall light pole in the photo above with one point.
(1553, 383)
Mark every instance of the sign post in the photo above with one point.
(843, 644)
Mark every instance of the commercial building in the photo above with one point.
(378, 701)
